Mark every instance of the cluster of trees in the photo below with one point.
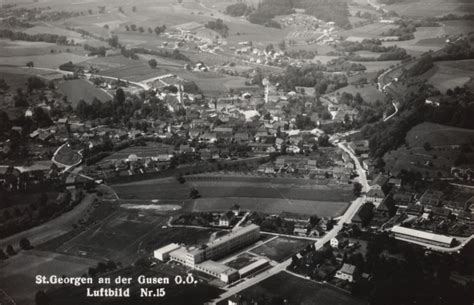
(458, 50)
(418, 278)
(102, 267)
(268, 9)
(175, 54)
(406, 28)
(238, 10)
(121, 110)
(421, 66)
(13, 22)
(327, 10)
(301, 54)
(157, 30)
(44, 37)
(456, 108)
(38, 211)
(341, 64)
(10, 251)
(310, 76)
(95, 51)
(372, 45)
(219, 26)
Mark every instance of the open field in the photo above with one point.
(298, 291)
(426, 39)
(9, 48)
(124, 68)
(117, 236)
(431, 8)
(40, 29)
(253, 189)
(17, 276)
(450, 74)
(153, 189)
(51, 61)
(438, 135)
(126, 233)
(271, 206)
(457, 27)
(281, 248)
(80, 89)
(16, 77)
(368, 31)
(264, 195)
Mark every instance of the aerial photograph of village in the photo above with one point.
(237, 152)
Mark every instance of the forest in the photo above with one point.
(327, 10)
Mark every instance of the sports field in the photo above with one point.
(281, 248)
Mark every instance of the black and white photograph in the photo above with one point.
(236, 152)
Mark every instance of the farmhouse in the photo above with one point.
(346, 273)
(375, 196)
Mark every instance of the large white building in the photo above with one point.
(417, 236)
(163, 253)
(201, 258)
(222, 245)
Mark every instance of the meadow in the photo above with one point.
(50, 61)
(450, 74)
(430, 8)
(80, 89)
(438, 135)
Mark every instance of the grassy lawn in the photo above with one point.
(281, 248)
(298, 291)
